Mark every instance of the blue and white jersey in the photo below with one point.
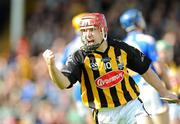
(74, 45)
(70, 48)
(146, 44)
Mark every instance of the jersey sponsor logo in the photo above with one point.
(110, 79)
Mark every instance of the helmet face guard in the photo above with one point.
(94, 21)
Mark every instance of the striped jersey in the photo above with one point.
(104, 77)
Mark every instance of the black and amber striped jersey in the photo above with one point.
(104, 77)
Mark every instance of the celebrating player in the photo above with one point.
(101, 68)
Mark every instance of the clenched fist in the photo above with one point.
(49, 57)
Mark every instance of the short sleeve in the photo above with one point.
(137, 61)
(72, 69)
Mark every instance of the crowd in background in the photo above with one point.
(27, 95)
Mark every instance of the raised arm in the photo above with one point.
(57, 77)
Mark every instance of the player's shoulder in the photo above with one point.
(145, 38)
(113, 41)
(79, 55)
(117, 43)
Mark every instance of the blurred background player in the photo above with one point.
(70, 48)
(134, 24)
(76, 42)
(165, 53)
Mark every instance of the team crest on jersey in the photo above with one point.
(94, 66)
(110, 79)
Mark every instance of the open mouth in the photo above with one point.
(90, 42)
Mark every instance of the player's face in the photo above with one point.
(91, 36)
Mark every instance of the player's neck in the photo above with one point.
(102, 47)
(139, 29)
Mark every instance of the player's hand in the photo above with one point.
(170, 97)
(49, 57)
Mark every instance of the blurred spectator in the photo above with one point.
(165, 52)
(23, 79)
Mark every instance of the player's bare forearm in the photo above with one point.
(162, 70)
(165, 77)
(151, 77)
(57, 77)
